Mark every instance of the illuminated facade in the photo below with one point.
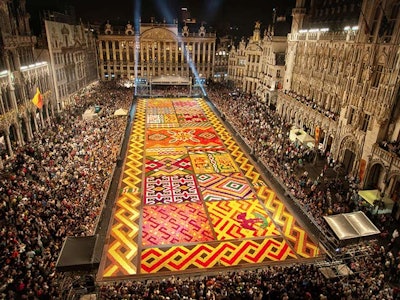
(222, 59)
(59, 65)
(21, 73)
(73, 56)
(155, 50)
(258, 67)
(344, 83)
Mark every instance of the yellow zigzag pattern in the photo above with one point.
(200, 256)
(123, 247)
(290, 228)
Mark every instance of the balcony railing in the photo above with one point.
(389, 157)
(18, 40)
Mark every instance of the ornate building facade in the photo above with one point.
(155, 50)
(224, 45)
(67, 61)
(258, 66)
(341, 85)
(72, 50)
(21, 73)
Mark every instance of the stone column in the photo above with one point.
(8, 142)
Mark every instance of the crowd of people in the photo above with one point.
(313, 104)
(47, 186)
(54, 187)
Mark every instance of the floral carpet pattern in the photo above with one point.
(192, 200)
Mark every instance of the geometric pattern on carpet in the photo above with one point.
(192, 124)
(245, 232)
(175, 224)
(162, 125)
(224, 186)
(158, 103)
(132, 173)
(122, 246)
(167, 165)
(180, 137)
(240, 219)
(209, 149)
(160, 110)
(293, 232)
(219, 162)
(170, 189)
(159, 119)
(191, 118)
(165, 151)
(239, 157)
(213, 255)
(187, 104)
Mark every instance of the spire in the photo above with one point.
(298, 14)
(256, 32)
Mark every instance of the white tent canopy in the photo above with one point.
(373, 197)
(120, 112)
(90, 114)
(302, 136)
(351, 225)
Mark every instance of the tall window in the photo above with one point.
(377, 76)
(351, 115)
(388, 22)
(365, 122)
(360, 73)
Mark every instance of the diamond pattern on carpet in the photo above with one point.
(180, 137)
(170, 189)
(167, 165)
(224, 186)
(173, 224)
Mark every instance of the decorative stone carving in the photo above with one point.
(185, 31)
(108, 28)
(202, 31)
(129, 29)
(158, 34)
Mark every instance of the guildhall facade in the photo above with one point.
(341, 85)
(338, 82)
(156, 50)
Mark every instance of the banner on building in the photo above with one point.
(317, 135)
(361, 173)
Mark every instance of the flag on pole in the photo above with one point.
(38, 99)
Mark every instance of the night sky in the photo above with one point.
(219, 14)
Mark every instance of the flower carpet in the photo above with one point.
(192, 200)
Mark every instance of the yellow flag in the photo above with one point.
(38, 99)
